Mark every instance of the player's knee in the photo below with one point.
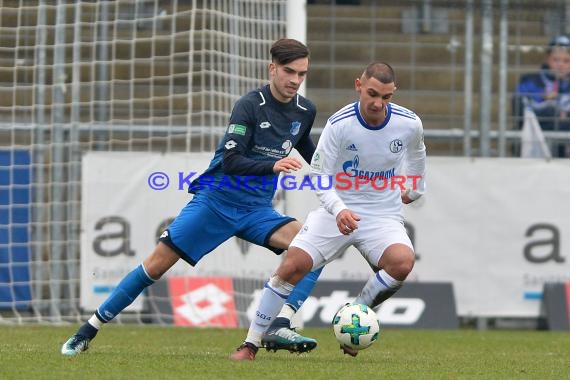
(399, 265)
(290, 272)
(296, 265)
(398, 272)
(402, 269)
(160, 261)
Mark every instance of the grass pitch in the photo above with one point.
(149, 352)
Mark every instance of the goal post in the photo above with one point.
(297, 26)
(83, 79)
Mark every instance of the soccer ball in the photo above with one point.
(356, 326)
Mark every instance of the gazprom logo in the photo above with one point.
(351, 168)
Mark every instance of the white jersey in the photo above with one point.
(364, 168)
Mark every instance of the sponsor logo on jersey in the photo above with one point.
(295, 127)
(237, 129)
(287, 145)
(352, 170)
(274, 152)
(230, 144)
(317, 161)
(396, 146)
(352, 147)
(265, 125)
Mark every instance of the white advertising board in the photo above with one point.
(495, 228)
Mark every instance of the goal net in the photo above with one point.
(96, 96)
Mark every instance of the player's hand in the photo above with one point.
(347, 221)
(287, 165)
(405, 194)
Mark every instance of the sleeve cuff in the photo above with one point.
(338, 207)
(414, 195)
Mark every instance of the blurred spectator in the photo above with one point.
(547, 93)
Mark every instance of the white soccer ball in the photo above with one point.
(356, 326)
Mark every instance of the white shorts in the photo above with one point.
(322, 240)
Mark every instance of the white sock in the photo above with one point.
(287, 311)
(95, 322)
(272, 299)
(379, 287)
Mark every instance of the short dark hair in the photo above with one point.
(287, 50)
(381, 71)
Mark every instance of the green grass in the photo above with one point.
(148, 352)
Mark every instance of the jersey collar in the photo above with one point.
(368, 126)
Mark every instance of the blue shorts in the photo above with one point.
(205, 223)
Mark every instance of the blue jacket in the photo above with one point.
(534, 88)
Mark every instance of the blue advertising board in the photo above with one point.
(15, 213)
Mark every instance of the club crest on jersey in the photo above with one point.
(295, 127)
(396, 146)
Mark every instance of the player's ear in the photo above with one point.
(272, 68)
(357, 85)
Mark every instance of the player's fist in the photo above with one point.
(347, 221)
(287, 165)
(405, 194)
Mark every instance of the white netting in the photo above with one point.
(115, 76)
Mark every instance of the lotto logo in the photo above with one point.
(402, 311)
(203, 301)
(416, 305)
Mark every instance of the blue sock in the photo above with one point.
(87, 330)
(124, 294)
(303, 288)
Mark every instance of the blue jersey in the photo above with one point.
(261, 131)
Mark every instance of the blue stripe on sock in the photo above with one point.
(275, 291)
(381, 280)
